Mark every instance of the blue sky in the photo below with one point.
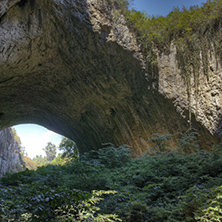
(162, 7)
(35, 137)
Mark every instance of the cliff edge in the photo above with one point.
(10, 157)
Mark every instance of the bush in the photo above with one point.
(212, 210)
(169, 186)
(43, 203)
(14, 179)
(110, 156)
(69, 149)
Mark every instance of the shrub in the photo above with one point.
(169, 186)
(42, 203)
(212, 210)
(110, 156)
(15, 179)
(69, 149)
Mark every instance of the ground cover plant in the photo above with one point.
(107, 185)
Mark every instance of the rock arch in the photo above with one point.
(74, 67)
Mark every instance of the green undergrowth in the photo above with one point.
(166, 184)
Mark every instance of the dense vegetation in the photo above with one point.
(67, 146)
(167, 184)
(179, 183)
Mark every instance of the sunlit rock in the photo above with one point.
(10, 157)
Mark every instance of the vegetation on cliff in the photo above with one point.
(195, 32)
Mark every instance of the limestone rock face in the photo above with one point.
(74, 67)
(10, 158)
(206, 97)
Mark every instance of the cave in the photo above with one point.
(60, 68)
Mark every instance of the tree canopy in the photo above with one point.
(69, 148)
(50, 151)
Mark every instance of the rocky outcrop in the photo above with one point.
(10, 157)
(206, 96)
(74, 67)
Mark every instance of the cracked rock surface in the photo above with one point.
(206, 98)
(74, 67)
(10, 158)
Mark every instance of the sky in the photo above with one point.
(162, 7)
(34, 137)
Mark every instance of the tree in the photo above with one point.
(16, 137)
(50, 151)
(20, 147)
(40, 160)
(69, 148)
(18, 140)
(29, 163)
(23, 152)
(60, 160)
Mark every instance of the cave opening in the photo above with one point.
(34, 138)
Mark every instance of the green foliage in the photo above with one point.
(85, 176)
(16, 137)
(87, 211)
(60, 160)
(110, 156)
(41, 202)
(212, 210)
(50, 151)
(161, 141)
(35, 196)
(186, 142)
(40, 160)
(189, 141)
(15, 179)
(217, 149)
(166, 186)
(121, 4)
(29, 164)
(69, 148)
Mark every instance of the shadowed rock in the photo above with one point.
(74, 67)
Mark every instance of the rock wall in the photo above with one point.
(74, 67)
(10, 157)
(206, 96)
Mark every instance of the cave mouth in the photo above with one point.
(35, 137)
(62, 72)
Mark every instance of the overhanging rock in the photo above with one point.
(74, 67)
